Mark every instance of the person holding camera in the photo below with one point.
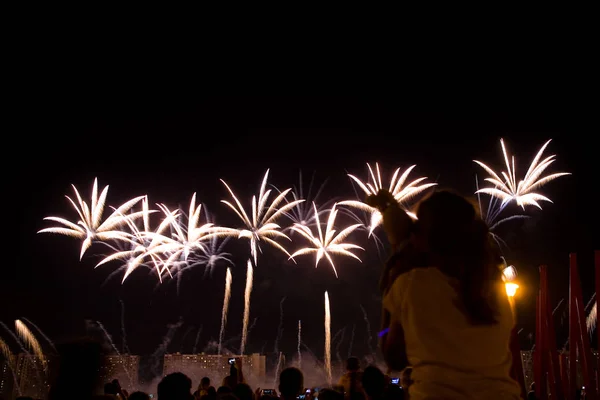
(445, 309)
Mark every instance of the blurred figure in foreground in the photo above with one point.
(351, 381)
(202, 387)
(138, 396)
(78, 371)
(446, 311)
(175, 386)
(373, 382)
(291, 383)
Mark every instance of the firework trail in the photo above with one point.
(279, 327)
(162, 348)
(262, 225)
(400, 193)
(16, 339)
(123, 330)
(327, 339)
(28, 337)
(328, 243)
(337, 348)
(8, 355)
(277, 368)
(41, 332)
(197, 339)
(591, 319)
(351, 340)
(185, 335)
(39, 372)
(252, 325)
(225, 308)
(299, 343)
(247, 293)
(107, 335)
(522, 192)
(368, 327)
(303, 213)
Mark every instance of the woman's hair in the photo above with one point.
(460, 239)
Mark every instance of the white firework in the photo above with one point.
(90, 227)
(402, 194)
(260, 225)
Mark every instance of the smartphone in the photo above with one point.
(268, 391)
(231, 361)
(151, 395)
(395, 381)
(301, 397)
(307, 391)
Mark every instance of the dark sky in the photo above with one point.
(169, 150)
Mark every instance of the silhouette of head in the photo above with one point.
(458, 242)
(110, 388)
(78, 370)
(243, 392)
(373, 381)
(443, 219)
(352, 364)
(330, 394)
(222, 390)
(205, 382)
(175, 386)
(138, 396)
(291, 382)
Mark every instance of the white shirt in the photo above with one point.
(451, 359)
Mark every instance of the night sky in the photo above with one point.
(169, 150)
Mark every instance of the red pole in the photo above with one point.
(537, 359)
(573, 325)
(554, 370)
(597, 267)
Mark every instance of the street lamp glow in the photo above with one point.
(511, 288)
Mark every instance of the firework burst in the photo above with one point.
(303, 212)
(189, 239)
(261, 224)
(90, 226)
(145, 246)
(522, 191)
(327, 243)
(491, 214)
(402, 194)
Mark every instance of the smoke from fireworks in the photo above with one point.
(522, 191)
(299, 343)
(247, 293)
(225, 308)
